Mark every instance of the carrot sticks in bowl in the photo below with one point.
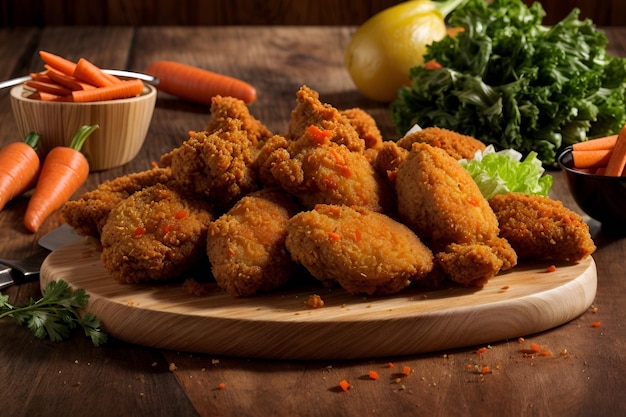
(64, 80)
(601, 156)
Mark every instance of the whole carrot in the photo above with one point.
(64, 170)
(19, 167)
(196, 84)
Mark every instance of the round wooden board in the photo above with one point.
(525, 300)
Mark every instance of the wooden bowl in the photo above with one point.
(123, 125)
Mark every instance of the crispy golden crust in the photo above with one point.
(440, 201)
(365, 126)
(225, 108)
(310, 111)
(328, 173)
(88, 214)
(366, 252)
(455, 144)
(154, 234)
(539, 227)
(246, 246)
(217, 165)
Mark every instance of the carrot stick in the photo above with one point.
(63, 171)
(59, 63)
(87, 72)
(198, 85)
(591, 159)
(618, 157)
(19, 166)
(51, 88)
(607, 142)
(124, 89)
(43, 96)
(67, 81)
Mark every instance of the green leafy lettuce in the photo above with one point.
(512, 82)
(504, 171)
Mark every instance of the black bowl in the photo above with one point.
(602, 198)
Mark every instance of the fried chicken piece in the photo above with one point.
(310, 111)
(260, 164)
(455, 144)
(88, 214)
(246, 245)
(155, 234)
(225, 108)
(439, 200)
(217, 165)
(542, 228)
(366, 252)
(365, 126)
(388, 160)
(317, 170)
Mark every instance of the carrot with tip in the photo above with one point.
(19, 167)
(57, 62)
(196, 84)
(63, 171)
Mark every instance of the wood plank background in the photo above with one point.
(15, 13)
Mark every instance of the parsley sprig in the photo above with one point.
(56, 314)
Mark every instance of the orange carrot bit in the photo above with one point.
(551, 268)
(485, 370)
(344, 385)
(596, 324)
(390, 365)
(545, 352)
(334, 236)
(221, 385)
(535, 347)
(357, 235)
(317, 135)
(123, 89)
(481, 350)
(139, 231)
(181, 214)
(432, 65)
(406, 370)
(373, 375)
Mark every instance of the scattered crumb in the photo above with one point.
(173, 367)
(314, 301)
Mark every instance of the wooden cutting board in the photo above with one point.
(523, 301)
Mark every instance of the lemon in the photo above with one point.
(383, 49)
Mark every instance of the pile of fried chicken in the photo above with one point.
(330, 196)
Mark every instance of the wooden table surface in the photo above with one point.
(584, 375)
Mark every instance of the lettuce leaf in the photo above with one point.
(504, 171)
(509, 81)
